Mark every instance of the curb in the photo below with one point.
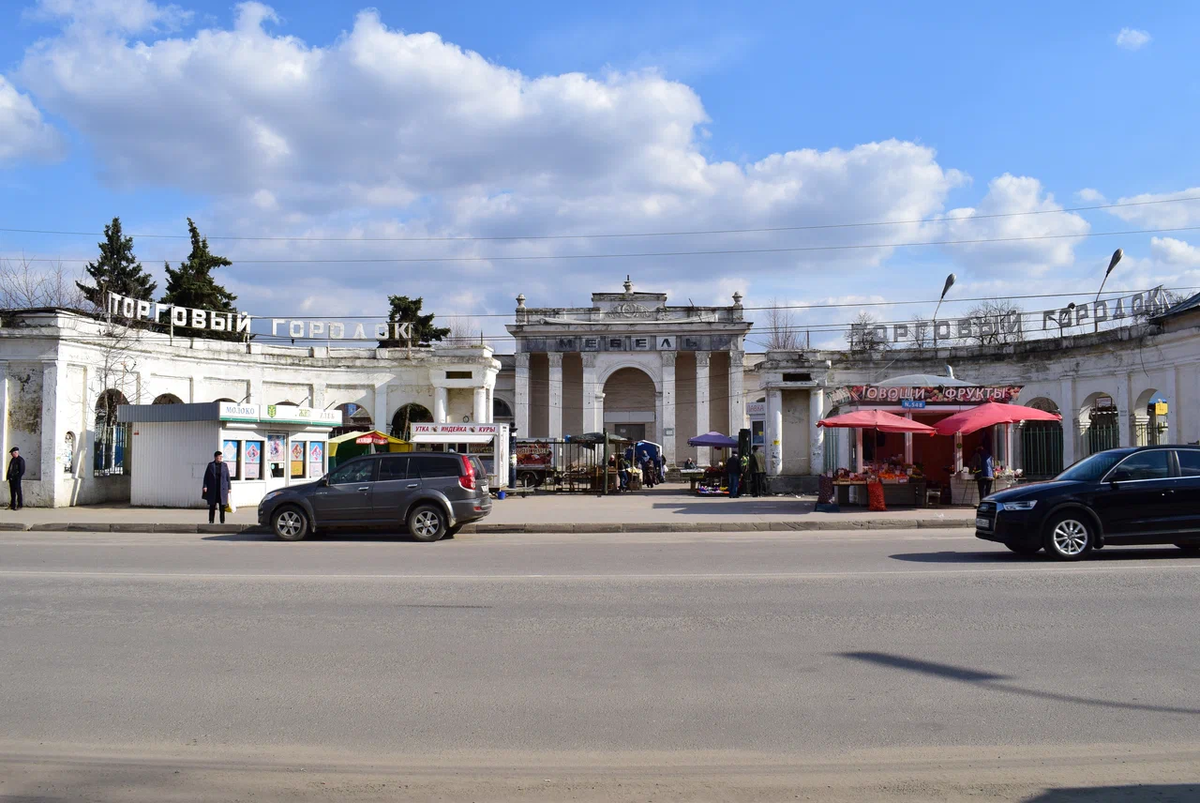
(512, 529)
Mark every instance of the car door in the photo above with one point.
(1184, 501)
(346, 498)
(1132, 502)
(395, 488)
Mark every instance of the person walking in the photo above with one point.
(16, 470)
(760, 471)
(983, 467)
(216, 486)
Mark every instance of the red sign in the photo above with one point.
(371, 439)
(534, 455)
(971, 394)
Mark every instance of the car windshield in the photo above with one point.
(1091, 469)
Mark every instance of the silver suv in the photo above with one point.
(431, 494)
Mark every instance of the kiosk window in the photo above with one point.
(230, 452)
(252, 460)
(297, 460)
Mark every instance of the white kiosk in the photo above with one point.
(266, 446)
(489, 442)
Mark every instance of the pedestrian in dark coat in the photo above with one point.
(216, 486)
(16, 470)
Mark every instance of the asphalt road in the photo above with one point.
(741, 666)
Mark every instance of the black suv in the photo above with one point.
(1128, 497)
(431, 494)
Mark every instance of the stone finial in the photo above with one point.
(737, 298)
(521, 301)
(628, 286)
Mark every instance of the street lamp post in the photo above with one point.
(945, 289)
(1112, 263)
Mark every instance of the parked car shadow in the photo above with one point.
(1140, 793)
(349, 534)
(762, 506)
(1113, 554)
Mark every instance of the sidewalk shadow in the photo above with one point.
(743, 507)
(1111, 554)
(1141, 793)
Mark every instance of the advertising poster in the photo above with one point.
(229, 453)
(316, 458)
(253, 460)
(298, 458)
(276, 448)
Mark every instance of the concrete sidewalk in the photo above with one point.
(667, 508)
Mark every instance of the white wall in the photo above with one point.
(169, 461)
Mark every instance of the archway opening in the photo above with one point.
(355, 418)
(406, 416)
(630, 405)
(167, 398)
(1042, 443)
(1150, 419)
(501, 412)
(111, 455)
(1099, 424)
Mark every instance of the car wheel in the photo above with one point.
(1024, 549)
(289, 523)
(427, 523)
(529, 480)
(1069, 536)
(1190, 549)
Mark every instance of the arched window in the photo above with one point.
(167, 398)
(501, 412)
(111, 455)
(222, 399)
(68, 453)
(406, 416)
(355, 418)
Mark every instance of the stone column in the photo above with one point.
(703, 417)
(53, 401)
(737, 401)
(668, 407)
(816, 435)
(441, 405)
(4, 415)
(774, 432)
(589, 393)
(1070, 422)
(1174, 419)
(1124, 411)
(908, 443)
(380, 413)
(556, 397)
(490, 405)
(479, 411)
(521, 395)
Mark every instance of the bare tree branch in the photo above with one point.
(25, 286)
(782, 334)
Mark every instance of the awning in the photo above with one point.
(990, 414)
(876, 419)
(364, 439)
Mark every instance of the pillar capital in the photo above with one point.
(522, 359)
(588, 358)
(668, 359)
(555, 358)
(703, 358)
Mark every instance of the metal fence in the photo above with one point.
(1104, 432)
(565, 466)
(1042, 449)
(111, 456)
(1150, 433)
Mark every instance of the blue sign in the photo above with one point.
(912, 404)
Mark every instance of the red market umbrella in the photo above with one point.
(879, 420)
(990, 414)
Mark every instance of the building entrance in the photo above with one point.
(633, 432)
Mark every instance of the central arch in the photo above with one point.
(631, 404)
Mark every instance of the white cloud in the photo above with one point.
(23, 132)
(1133, 39)
(126, 16)
(389, 134)
(1004, 215)
(1161, 210)
(1174, 252)
(1091, 196)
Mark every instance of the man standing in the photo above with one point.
(16, 470)
(760, 472)
(216, 486)
(982, 468)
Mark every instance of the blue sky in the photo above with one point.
(688, 116)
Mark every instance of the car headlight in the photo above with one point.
(271, 495)
(1023, 505)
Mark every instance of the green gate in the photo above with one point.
(1042, 449)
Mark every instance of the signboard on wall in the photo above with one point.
(756, 410)
(970, 394)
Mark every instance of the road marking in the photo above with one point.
(1072, 570)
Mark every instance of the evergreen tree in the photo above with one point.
(408, 310)
(192, 284)
(116, 271)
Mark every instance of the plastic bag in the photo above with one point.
(230, 508)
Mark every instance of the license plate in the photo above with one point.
(485, 489)
(983, 524)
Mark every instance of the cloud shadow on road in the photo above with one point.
(1000, 683)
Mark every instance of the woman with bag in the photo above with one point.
(216, 486)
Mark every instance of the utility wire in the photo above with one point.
(693, 233)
